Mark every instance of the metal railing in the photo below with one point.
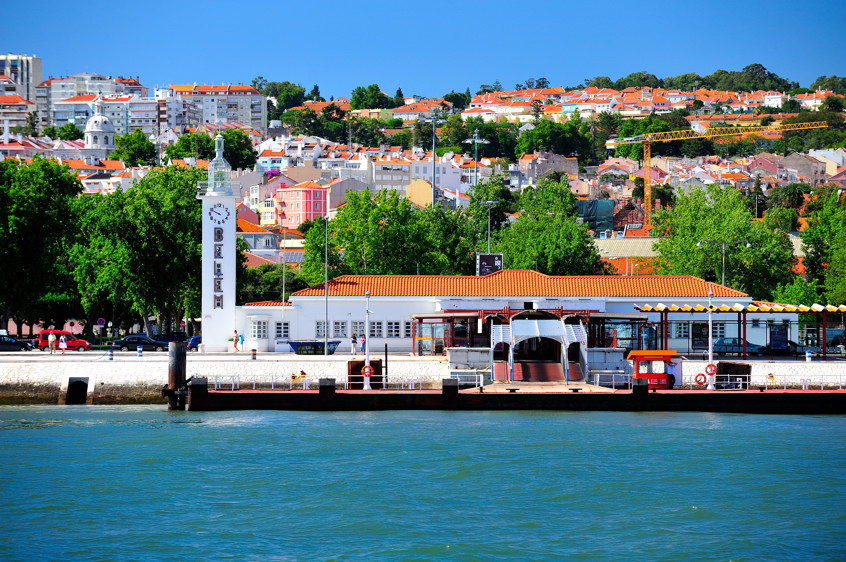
(819, 381)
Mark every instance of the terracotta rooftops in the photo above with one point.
(521, 283)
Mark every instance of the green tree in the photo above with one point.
(560, 138)
(833, 104)
(791, 106)
(791, 195)
(458, 99)
(826, 221)
(836, 84)
(144, 245)
(135, 149)
(30, 128)
(238, 149)
(314, 94)
(711, 216)
(782, 218)
(758, 201)
(191, 145)
(37, 224)
(547, 237)
(265, 283)
(370, 97)
(798, 291)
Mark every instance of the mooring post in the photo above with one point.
(176, 376)
(385, 370)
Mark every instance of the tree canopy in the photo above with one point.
(692, 234)
(135, 149)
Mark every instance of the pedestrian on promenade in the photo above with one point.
(235, 341)
(51, 342)
(63, 343)
(363, 342)
(354, 345)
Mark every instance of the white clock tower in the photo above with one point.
(218, 322)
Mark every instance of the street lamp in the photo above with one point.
(367, 314)
(476, 140)
(724, 244)
(325, 274)
(489, 204)
(435, 120)
(710, 339)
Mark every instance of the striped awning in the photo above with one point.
(757, 307)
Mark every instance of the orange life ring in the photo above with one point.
(711, 369)
(367, 370)
(700, 379)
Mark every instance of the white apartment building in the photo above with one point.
(24, 70)
(126, 112)
(227, 104)
(54, 90)
(174, 112)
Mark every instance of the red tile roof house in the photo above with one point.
(425, 314)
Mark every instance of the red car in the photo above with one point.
(73, 343)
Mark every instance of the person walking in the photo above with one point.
(51, 342)
(235, 341)
(63, 343)
(363, 342)
(354, 345)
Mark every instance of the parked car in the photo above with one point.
(73, 342)
(174, 336)
(8, 343)
(725, 346)
(194, 343)
(131, 343)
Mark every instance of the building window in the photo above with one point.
(320, 329)
(719, 330)
(282, 330)
(375, 330)
(409, 329)
(258, 329)
(339, 329)
(756, 323)
(393, 329)
(682, 330)
(358, 328)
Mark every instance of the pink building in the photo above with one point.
(301, 202)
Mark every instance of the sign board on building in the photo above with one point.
(488, 263)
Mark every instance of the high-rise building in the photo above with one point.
(25, 70)
(227, 104)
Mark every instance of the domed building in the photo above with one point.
(99, 131)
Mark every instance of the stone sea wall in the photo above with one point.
(38, 379)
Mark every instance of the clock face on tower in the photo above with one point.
(218, 213)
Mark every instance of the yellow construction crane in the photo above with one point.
(647, 139)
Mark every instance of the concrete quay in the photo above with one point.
(41, 378)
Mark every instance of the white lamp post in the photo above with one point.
(367, 340)
(710, 339)
(325, 276)
(488, 205)
(476, 140)
(723, 244)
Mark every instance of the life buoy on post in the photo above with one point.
(367, 371)
(700, 379)
(711, 369)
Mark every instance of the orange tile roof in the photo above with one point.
(14, 99)
(246, 226)
(521, 283)
(255, 261)
(268, 303)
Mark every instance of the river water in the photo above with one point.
(142, 483)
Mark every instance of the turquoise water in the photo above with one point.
(142, 483)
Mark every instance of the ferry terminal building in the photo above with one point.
(427, 314)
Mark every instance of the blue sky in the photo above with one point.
(426, 48)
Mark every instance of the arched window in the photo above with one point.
(95, 139)
(105, 140)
